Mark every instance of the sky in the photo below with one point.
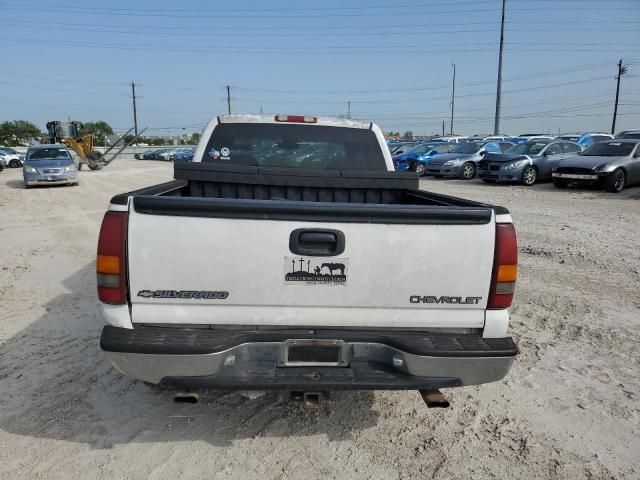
(391, 60)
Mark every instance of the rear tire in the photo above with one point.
(559, 183)
(468, 171)
(614, 183)
(93, 160)
(14, 163)
(529, 176)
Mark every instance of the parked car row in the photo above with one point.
(584, 140)
(167, 154)
(526, 159)
(612, 164)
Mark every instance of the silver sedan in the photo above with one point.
(613, 164)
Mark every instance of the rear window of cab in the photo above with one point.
(295, 146)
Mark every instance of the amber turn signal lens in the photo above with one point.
(507, 273)
(108, 264)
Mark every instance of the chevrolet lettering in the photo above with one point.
(445, 299)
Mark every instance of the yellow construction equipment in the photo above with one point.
(69, 133)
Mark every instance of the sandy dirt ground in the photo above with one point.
(569, 408)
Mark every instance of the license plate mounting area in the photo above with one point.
(313, 353)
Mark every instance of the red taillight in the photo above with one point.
(111, 261)
(295, 119)
(505, 267)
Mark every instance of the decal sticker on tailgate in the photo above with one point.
(315, 271)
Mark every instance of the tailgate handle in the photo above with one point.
(318, 242)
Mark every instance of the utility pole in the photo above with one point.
(496, 127)
(453, 95)
(622, 69)
(349, 109)
(135, 113)
(229, 99)
(443, 128)
(260, 109)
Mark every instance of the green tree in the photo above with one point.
(18, 132)
(100, 131)
(408, 135)
(195, 138)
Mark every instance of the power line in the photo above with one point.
(252, 10)
(58, 89)
(286, 50)
(615, 26)
(40, 105)
(559, 71)
(309, 9)
(190, 32)
(362, 11)
(554, 100)
(217, 48)
(436, 116)
(488, 119)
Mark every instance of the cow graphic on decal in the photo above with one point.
(313, 271)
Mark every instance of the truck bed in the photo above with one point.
(281, 187)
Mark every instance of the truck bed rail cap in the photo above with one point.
(322, 121)
(312, 211)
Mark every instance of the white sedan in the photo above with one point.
(11, 158)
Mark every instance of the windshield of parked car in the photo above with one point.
(422, 148)
(632, 135)
(9, 151)
(609, 149)
(404, 147)
(571, 138)
(48, 154)
(441, 148)
(295, 146)
(467, 147)
(527, 148)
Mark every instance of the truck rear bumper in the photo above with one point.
(260, 360)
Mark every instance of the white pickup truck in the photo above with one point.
(290, 256)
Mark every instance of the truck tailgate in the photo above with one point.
(189, 266)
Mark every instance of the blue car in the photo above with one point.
(184, 155)
(49, 165)
(416, 159)
(585, 140)
(589, 139)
